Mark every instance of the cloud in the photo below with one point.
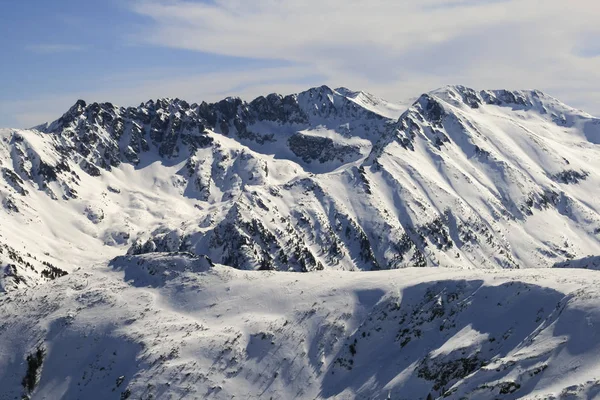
(54, 48)
(391, 46)
(294, 30)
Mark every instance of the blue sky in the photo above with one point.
(72, 45)
(54, 52)
(65, 49)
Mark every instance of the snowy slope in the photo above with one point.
(322, 179)
(173, 325)
(520, 163)
(370, 102)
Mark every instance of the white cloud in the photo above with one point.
(392, 47)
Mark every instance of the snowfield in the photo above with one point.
(174, 326)
(325, 244)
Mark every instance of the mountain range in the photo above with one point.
(115, 220)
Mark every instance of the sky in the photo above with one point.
(128, 51)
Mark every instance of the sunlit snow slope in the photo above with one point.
(167, 326)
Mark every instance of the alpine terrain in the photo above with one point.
(325, 244)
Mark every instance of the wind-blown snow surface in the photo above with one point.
(174, 326)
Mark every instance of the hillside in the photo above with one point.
(174, 326)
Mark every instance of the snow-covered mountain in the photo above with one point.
(318, 180)
(324, 180)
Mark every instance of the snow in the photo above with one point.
(373, 103)
(514, 184)
(490, 187)
(172, 325)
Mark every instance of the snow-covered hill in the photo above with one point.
(170, 326)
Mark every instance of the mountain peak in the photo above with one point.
(344, 91)
(455, 94)
(79, 104)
